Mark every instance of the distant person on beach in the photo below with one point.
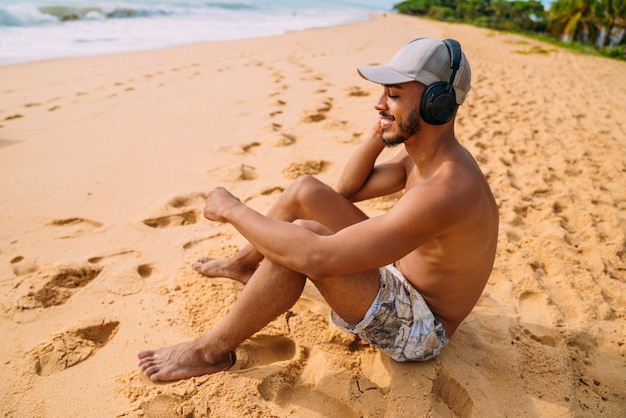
(402, 281)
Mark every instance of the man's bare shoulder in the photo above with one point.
(458, 174)
(456, 192)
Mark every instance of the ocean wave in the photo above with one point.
(43, 29)
(229, 6)
(31, 15)
(24, 15)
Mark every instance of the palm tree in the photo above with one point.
(612, 16)
(589, 21)
(574, 20)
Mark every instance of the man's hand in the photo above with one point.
(218, 204)
(378, 129)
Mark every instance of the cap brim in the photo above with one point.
(382, 74)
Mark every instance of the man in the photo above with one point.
(403, 281)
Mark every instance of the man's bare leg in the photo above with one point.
(273, 291)
(305, 198)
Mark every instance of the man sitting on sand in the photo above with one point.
(402, 281)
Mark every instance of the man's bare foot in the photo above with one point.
(180, 361)
(224, 267)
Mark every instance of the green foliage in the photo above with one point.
(441, 13)
(614, 51)
(483, 21)
(414, 7)
(473, 9)
(586, 22)
(511, 14)
(422, 7)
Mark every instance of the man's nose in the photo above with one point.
(381, 104)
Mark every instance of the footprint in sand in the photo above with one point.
(299, 389)
(22, 266)
(163, 405)
(234, 174)
(282, 139)
(311, 399)
(295, 170)
(59, 288)
(241, 149)
(316, 117)
(73, 227)
(270, 192)
(264, 199)
(448, 390)
(320, 114)
(342, 138)
(191, 199)
(538, 314)
(262, 350)
(98, 259)
(277, 190)
(356, 91)
(276, 361)
(122, 275)
(179, 219)
(71, 347)
(74, 221)
(205, 240)
(185, 210)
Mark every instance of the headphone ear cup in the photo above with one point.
(438, 104)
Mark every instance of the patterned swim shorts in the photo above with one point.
(399, 322)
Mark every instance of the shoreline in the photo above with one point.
(105, 163)
(75, 49)
(372, 15)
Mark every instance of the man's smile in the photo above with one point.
(386, 120)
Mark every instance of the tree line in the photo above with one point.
(591, 24)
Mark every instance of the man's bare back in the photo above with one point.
(441, 235)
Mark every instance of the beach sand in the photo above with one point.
(105, 163)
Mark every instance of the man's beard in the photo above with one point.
(407, 129)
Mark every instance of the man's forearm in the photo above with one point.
(282, 242)
(360, 165)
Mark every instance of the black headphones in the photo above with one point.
(439, 100)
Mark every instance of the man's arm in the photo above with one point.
(361, 179)
(365, 245)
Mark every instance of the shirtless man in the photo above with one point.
(403, 281)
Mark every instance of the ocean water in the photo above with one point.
(33, 30)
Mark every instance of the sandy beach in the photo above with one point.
(105, 163)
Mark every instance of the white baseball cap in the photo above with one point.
(426, 60)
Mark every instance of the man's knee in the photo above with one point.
(304, 188)
(307, 180)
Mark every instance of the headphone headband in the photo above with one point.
(454, 48)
